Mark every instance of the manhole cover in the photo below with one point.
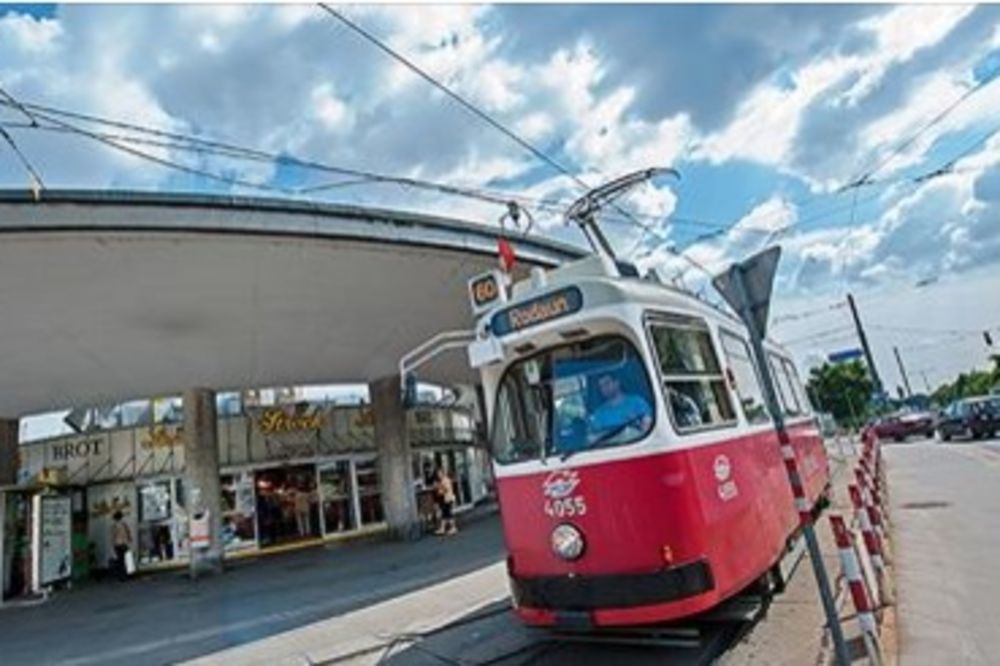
(926, 505)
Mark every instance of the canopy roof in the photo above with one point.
(107, 296)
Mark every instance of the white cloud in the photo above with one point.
(25, 34)
(766, 127)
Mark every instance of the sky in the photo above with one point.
(768, 112)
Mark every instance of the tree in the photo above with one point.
(843, 390)
(969, 384)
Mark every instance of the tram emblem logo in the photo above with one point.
(560, 484)
(722, 468)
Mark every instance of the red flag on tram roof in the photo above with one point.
(506, 253)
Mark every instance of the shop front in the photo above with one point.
(289, 474)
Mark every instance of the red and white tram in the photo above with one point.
(638, 472)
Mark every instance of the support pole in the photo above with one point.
(201, 477)
(876, 381)
(902, 371)
(395, 468)
(794, 477)
(9, 434)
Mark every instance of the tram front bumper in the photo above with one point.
(547, 599)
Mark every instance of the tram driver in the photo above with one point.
(618, 410)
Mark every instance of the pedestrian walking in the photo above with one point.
(444, 490)
(121, 539)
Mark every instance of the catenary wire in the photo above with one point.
(482, 115)
(23, 159)
(906, 143)
(186, 143)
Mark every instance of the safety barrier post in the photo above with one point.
(851, 569)
(871, 507)
(873, 544)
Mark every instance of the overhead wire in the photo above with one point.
(907, 142)
(808, 314)
(864, 179)
(140, 135)
(836, 332)
(493, 122)
(34, 176)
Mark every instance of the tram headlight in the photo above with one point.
(567, 542)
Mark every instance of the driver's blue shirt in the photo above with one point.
(612, 415)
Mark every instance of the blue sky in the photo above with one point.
(766, 110)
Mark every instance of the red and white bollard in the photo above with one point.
(870, 500)
(856, 585)
(873, 544)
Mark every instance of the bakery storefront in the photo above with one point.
(289, 474)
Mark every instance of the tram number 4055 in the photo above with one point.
(566, 507)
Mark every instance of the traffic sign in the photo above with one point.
(845, 355)
(757, 274)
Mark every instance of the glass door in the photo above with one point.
(369, 491)
(337, 497)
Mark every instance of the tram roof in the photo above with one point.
(107, 296)
(595, 277)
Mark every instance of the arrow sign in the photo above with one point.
(747, 287)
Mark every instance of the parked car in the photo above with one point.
(970, 417)
(901, 425)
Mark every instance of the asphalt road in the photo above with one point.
(945, 517)
(167, 618)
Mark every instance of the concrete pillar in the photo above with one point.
(395, 468)
(201, 476)
(9, 434)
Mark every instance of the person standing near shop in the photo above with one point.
(444, 488)
(121, 539)
(303, 507)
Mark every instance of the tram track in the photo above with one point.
(494, 637)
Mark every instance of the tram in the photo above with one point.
(638, 471)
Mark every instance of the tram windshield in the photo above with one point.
(572, 398)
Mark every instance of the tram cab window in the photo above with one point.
(783, 384)
(745, 377)
(572, 398)
(693, 383)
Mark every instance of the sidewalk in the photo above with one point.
(793, 632)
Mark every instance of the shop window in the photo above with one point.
(745, 377)
(167, 410)
(369, 491)
(229, 404)
(693, 382)
(287, 504)
(337, 497)
(155, 535)
(238, 530)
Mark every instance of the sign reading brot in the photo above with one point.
(537, 311)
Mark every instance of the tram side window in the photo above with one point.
(786, 394)
(693, 382)
(800, 393)
(745, 376)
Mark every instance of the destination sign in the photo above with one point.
(537, 311)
